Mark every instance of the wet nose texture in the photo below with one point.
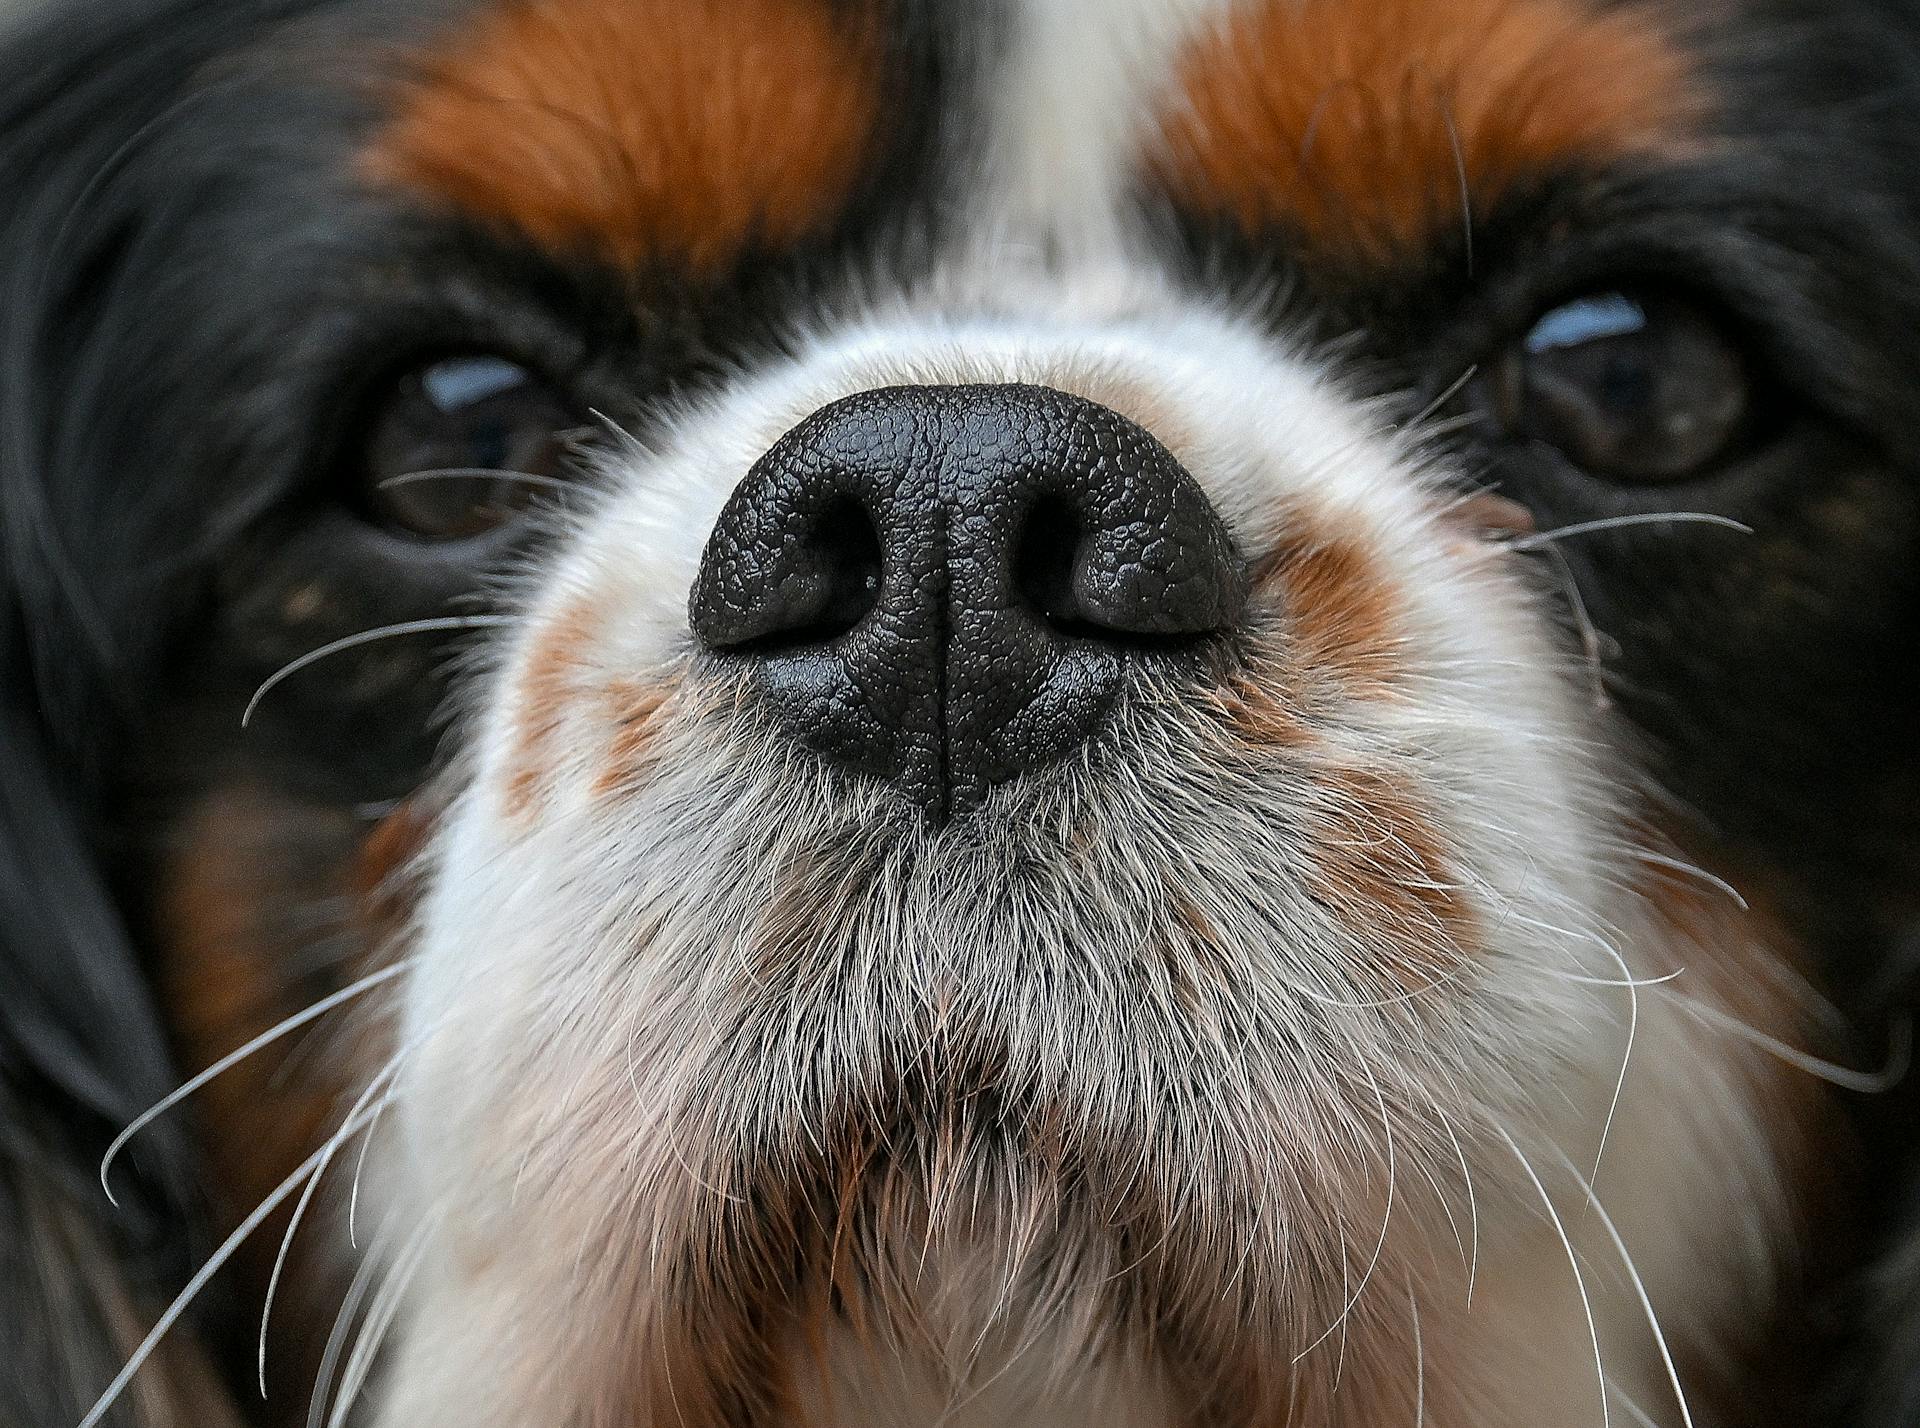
(942, 586)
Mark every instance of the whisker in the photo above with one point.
(1573, 1261)
(1628, 981)
(1447, 394)
(1583, 622)
(1452, 974)
(612, 427)
(367, 637)
(1473, 1205)
(378, 1324)
(1340, 1358)
(1899, 1050)
(1637, 518)
(228, 1247)
(357, 1290)
(1448, 426)
(1446, 1208)
(1639, 1289)
(476, 473)
(234, 1058)
(1420, 1361)
(1620, 1081)
(353, 1191)
(334, 1145)
(376, 1256)
(1639, 1415)
(1444, 1202)
(1680, 865)
(1626, 978)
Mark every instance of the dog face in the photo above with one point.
(1145, 713)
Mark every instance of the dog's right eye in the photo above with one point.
(461, 445)
(1631, 388)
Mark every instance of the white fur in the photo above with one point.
(575, 1097)
(1072, 107)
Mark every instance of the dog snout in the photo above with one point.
(942, 586)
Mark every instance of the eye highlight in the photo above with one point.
(461, 445)
(1633, 388)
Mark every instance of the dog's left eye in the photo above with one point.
(1631, 388)
(461, 445)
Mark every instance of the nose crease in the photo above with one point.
(1031, 544)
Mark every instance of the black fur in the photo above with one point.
(81, 1049)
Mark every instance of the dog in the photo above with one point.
(833, 712)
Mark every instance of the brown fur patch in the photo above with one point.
(544, 694)
(1337, 617)
(633, 708)
(1255, 706)
(1337, 604)
(1358, 125)
(1379, 867)
(264, 905)
(383, 871)
(681, 131)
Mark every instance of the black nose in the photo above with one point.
(941, 586)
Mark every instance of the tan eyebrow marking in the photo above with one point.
(681, 131)
(1362, 124)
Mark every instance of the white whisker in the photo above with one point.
(1590, 646)
(1639, 518)
(1473, 1204)
(1899, 1051)
(235, 1057)
(332, 1148)
(1619, 1081)
(476, 473)
(378, 1323)
(353, 1190)
(1634, 1411)
(350, 1302)
(1680, 865)
(1451, 975)
(1573, 1262)
(144, 1351)
(1630, 982)
(1446, 394)
(1419, 1361)
(367, 637)
(1386, 1217)
(1640, 1289)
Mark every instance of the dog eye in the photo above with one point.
(1631, 388)
(462, 445)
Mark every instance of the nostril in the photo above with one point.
(805, 585)
(1094, 580)
(1044, 559)
(845, 553)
